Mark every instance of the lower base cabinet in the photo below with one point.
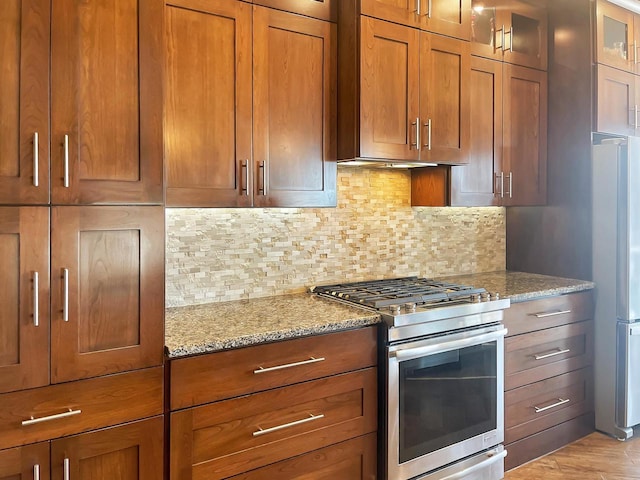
(127, 452)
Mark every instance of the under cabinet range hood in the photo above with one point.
(384, 163)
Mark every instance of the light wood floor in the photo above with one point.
(594, 457)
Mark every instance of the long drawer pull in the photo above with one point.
(66, 469)
(289, 365)
(32, 420)
(552, 354)
(310, 418)
(561, 401)
(36, 472)
(551, 314)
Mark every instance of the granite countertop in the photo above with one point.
(520, 286)
(219, 326)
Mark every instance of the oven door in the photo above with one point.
(445, 400)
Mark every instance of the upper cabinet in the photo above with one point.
(616, 41)
(513, 31)
(403, 93)
(447, 17)
(250, 118)
(106, 102)
(24, 109)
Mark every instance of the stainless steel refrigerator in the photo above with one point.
(616, 272)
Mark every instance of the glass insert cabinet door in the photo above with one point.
(616, 43)
(446, 398)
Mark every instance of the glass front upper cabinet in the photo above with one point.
(616, 44)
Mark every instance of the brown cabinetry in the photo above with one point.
(446, 17)
(256, 126)
(617, 31)
(510, 30)
(322, 9)
(548, 375)
(310, 395)
(25, 463)
(404, 93)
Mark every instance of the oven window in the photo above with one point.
(446, 398)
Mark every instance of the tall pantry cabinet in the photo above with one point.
(81, 236)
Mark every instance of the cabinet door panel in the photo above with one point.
(24, 251)
(389, 69)
(397, 11)
(128, 452)
(525, 34)
(473, 184)
(114, 271)
(322, 9)
(525, 135)
(106, 98)
(22, 463)
(294, 107)
(614, 36)
(24, 79)
(444, 99)
(208, 103)
(486, 29)
(447, 17)
(616, 101)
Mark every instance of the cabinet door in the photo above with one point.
(617, 106)
(525, 135)
(447, 17)
(614, 36)
(322, 9)
(404, 12)
(294, 107)
(486, 29)
(480, 182)
(525, 35)
(24, 83)
(106, 101)
(25, 463)
(445, 69)
(107, 290)
(208, 103)
(389, 90)
(129, 452)
(24, 316)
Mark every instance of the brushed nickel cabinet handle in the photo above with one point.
(510, 184)
(66, 467)
(510, 33)
(635, 52)
(499, 184)
(416, 125)
(495, 39)
(262, 190)
(551, 314)
(65, 294)
(417, 10)
(289, 365)
(542, 356)
(430, 5)
(36, 300)
(428, 126)
(36, 156)
(311, 418)
(66, 161)
(561, 401)
(244, 166)
(36, 472)
(57, 416)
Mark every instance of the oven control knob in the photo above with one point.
(484, 296)
(495, 296)
(475, 297)
(395, 309)
(410, 307)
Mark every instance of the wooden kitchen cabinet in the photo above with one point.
(261, 133)
(616, 37)
(106, 102)
(617, 103)
(446, 17)
(24, 122)
(25, 463)
(548, 374)
(306, 404)
(510, 30)
(321, 9)
(404, 95)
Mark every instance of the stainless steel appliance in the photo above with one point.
(443, 373)
(616, 272)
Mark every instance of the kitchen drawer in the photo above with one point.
(226, 438)
(543, 404)
(100, 402)
(548, 312)
(227, 374)
(351, 460)
(547, 353)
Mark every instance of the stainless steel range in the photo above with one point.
(443, 369)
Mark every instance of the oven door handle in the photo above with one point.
(478, 466)
(417, 352)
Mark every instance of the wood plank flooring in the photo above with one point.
(594, 457)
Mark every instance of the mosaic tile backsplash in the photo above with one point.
(221, 254)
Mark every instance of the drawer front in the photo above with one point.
(548, 312)
(217, 376)
(546, 353)
(75, 407)
(229, 437)
(542, 405)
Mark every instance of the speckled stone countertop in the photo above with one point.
(519, 286)
(219, 326)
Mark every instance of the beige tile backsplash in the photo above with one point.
(216, 255)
